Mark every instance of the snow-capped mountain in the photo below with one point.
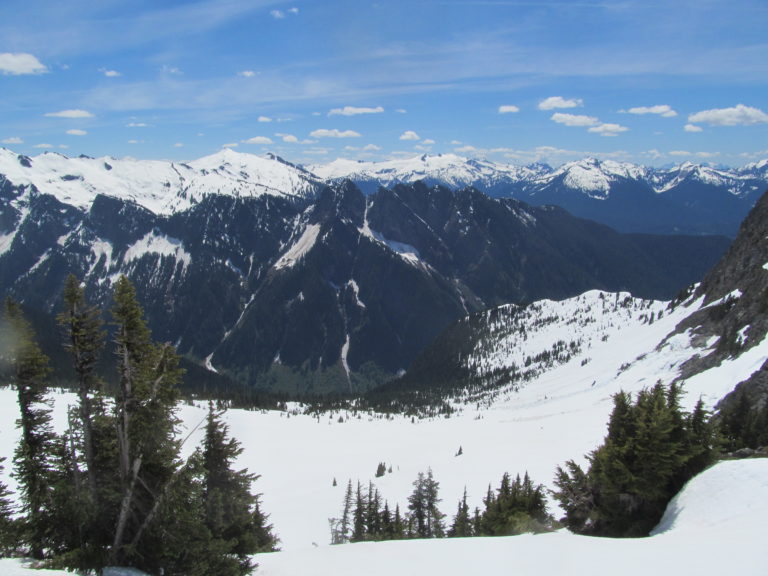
(685, 199)
(711, 338)
(345, 287)
(163, 188)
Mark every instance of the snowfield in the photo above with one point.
(714, 526)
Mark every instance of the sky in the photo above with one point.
(654, 82)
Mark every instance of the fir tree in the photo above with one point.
(462, 523)
(423, 504)
(232, 514)
(33, 459)
(146, 421)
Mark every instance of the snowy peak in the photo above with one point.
(594, 177)
(161, 187)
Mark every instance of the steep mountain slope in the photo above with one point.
(336, 291)
(718, 328)
(688, 199)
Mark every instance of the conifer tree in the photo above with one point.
(33, 459)
(359, 520)
(7, 525)
(84, 339)
(423, 504)
(146, 421)
(235, 525)
(462, 523)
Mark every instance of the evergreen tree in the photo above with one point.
(462, 523)
(651, 450)
(8, 541)
(232, 514)
(423, 504)
(146, 421)
(33, 459)
(84, 341)
(359, 520)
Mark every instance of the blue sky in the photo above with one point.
(648, 81)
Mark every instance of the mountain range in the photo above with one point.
(688, 198)
(280, 279)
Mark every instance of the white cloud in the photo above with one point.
(574, 119)
(135, 141)
(608, 129)
(409, 135)
(179, 145)
(76, 132)
(428, 142)
(136, 125)
(663, 110)
(559, 102)
(465, 149)
(288, 138)
(421, 148)
(44, 146)
(278, 14)
(265, 119)
(354, 111)
(13, 140)
(172, 70)
(21, 63)
(247, 73)
(293, 10)
(680, 153)
(739, 115)
(508, 109)
(110, 73)
(70, 114)
(334, 133)
(401, 111)
(456, 142)
(258, 140)
(230, 145)
(693, 128)
(371, 148)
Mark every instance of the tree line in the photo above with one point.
(515, 507)
(113, 488)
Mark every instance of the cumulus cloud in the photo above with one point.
(76, 132)
(258, 140)
(334, 133)
(739, 115)
(409, 135)
(465, 149)
(132, 141)
(230, 145)
(663, 110)
(44, 146)
(401, 111)
(428, 141)
(693, 128)
(354, 111)
(70, 114)
(136, 125)
(277, 14)
(559, 102)
(179, 145)
(13, 140)
(246, 73)
(608, 129)
(265, 119)
(508, 109)
(110, 73)
(20, 63)
(288, 138)
(574, 119)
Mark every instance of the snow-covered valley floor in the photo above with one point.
(717, 526)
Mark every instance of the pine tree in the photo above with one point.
(423, 504)
(359, 521)
(33, 459)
